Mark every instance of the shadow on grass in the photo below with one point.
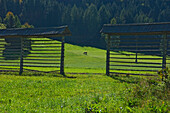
(30, 73)
(127, 79)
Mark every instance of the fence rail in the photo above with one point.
(20, 54)
(137, 55)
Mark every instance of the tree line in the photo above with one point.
(86, 17)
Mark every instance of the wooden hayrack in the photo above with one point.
(137, 49)
(30, 49)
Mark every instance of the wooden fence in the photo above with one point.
(137, 49)
(137, 55)
(31, 54)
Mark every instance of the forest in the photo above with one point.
(85, 18)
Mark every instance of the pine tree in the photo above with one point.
(104, 15)
(91, 19)
(9, 20)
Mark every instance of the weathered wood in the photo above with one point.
(108, 55)
(164, 52)
(134, 70)
(43, 46)
(62, 58)
(42, 59)
(135, 58)
(133, 50)
(138, 62)
(46, 50)
(40, 66)
(44, 56)
(133, 74)
(40, 63)
(21, 57)
(45, 43)
(137, 66)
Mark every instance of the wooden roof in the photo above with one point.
(137, 29)
(35, 32)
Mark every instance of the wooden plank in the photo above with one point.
(9, 65)
(140, 46)
(42, 59)
(45, 50)
(39, 63)
(137, 58)
(62, 57)
(137, 63)
(21, 56)
(8, 62)
(42, 46)
(115, 54)
(133, 74)
(44, 53)
(41, 71)
(134, 70)
(133, 42)
(8, 68)
(45, 43)
(43, 56)
(149, 50)
(42, 40)
(164, 52)
(108, 39)
(40, 66)
(137, 66)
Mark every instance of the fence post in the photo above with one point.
(21, 57)
(62, 58)
(108, 56)
(136, 60)
(164, 51)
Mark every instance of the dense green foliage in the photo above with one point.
(86, 17)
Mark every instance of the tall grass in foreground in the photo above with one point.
(83, 94)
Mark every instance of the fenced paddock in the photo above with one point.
(137, 49)
(27, 50)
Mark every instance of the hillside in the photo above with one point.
(86, 17)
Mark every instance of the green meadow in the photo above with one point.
(82, 93)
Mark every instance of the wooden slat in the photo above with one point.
(44, 43)
(137, 66)
(133, 74)
(39, 63)
(42, 40)
(2, 58)
(42, 59)
(137, 62)
(133, 42)
(42, 46)
(9, 65)
(41, 71)
(134, 70)
(115, 54)
(8, 68)
(9, 62)
(44, 53)
(140, 46)
(43, 56)
(45, 50)
(40, 66)
(137, 58)
(149, 50)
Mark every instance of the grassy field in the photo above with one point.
(87, 93)
(80, 94)
(93, 62)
